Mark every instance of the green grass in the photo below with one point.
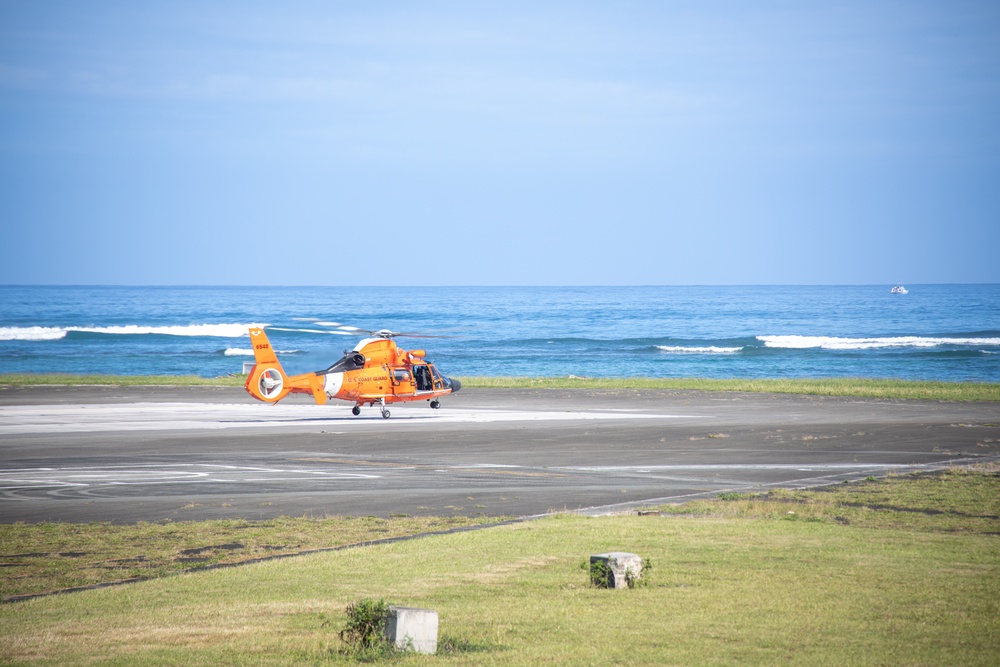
(862, 387)
(37, 558)
(959, 500)
(902, 571)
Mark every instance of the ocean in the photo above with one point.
(935, 332)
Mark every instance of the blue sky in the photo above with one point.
(514, 143)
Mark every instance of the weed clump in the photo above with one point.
(364, 635)
(600, 574)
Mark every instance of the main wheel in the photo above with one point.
(435, 404)
(355, 411)
(385, 414)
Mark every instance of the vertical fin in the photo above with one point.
(262, 350)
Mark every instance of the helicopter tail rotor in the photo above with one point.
(267, 380)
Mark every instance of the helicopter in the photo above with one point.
(375, 372)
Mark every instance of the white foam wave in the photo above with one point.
(678, 349)
(835, 343)
(56, 333)
(31, 333)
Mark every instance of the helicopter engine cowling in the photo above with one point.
(349, 362)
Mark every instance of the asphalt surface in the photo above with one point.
(152, 453)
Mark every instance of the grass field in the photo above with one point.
(898, 571)
(44, 557)
(864, 387)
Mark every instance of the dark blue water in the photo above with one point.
(936, 332)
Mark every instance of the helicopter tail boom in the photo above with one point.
(267, 381)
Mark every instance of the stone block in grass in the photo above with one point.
(616, 569)
(412, 629)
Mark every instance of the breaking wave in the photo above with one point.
(31, 333)
(835, 343)
(710, 349)
(57, 333)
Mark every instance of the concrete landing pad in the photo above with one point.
(153, 453)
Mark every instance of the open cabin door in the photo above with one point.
(423, 379)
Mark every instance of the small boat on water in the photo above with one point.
(899, 289)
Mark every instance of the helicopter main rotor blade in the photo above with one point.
(349, 330)
(418, 335)
(333, 325)
(316, 331)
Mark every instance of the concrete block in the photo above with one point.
(417, 629)
(619, 566)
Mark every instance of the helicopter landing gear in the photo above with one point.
(356, 410)
(435, 404)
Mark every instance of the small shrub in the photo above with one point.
(364, 633)
(365, 623)
(600, 574)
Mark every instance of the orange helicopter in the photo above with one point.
(375, 372)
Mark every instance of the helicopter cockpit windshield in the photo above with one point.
(438, 381)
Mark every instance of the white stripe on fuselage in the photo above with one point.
(334, 382)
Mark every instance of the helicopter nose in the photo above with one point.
(455, 384)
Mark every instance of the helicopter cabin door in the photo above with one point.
(402, 382)
(423, 380)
